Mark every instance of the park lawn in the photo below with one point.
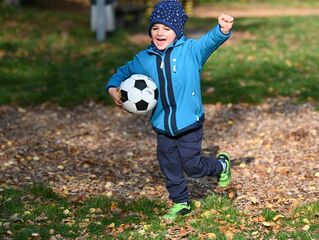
(37, 212)
(269, 57)
(258, 3)
(49, 56)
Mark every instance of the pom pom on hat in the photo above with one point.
(169, 13)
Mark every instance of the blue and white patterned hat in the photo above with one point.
(169, 13)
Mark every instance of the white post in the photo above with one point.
(11, 2)
(101, 21)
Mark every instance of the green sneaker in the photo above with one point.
(225, 177)
(178, 209)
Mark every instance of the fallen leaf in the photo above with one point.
(275, 218)
(306, 228)
(211, 236)
(306, 221)
(114, 207)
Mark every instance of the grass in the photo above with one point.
(38, 211)
(264, 3)
(49, 56)
(275, 57)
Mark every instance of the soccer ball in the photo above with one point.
(139, 94)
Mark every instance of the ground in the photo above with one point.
(98, 150)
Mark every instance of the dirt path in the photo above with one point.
(262, 11)
(98, 150)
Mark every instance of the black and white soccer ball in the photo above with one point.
(139, 94)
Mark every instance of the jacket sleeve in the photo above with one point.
(203, 47)
(124, 72)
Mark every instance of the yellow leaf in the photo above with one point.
(306, 221)
(275, 218)
(254, 233)
(306, 228)
(211, 236)
(288, 63)
(112, 225)
(146, 227)
(206, 214)
(66, 212)
(268, 224)
(242, 165)
(254, 200)
(197, 204)
(317, 174)
(61, 167)
(92, 210)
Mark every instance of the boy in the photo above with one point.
(175, 63)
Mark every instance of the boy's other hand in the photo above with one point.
(226, 23)
(115, 94)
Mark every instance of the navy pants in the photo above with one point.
(181, 155)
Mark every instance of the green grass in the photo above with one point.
(268, 3)
(49, 56)
(37, 210)
(276, 57)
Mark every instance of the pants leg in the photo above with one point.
(181, 154)
(195, 165)
(172, 168)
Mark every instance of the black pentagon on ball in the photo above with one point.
(156, 94)
(141, 105)
(140, 84)
(124, 96)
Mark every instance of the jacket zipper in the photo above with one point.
(166, 95)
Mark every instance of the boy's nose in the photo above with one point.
(159, 33)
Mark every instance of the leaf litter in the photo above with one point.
(94, 149)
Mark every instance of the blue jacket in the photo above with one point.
(177, 75)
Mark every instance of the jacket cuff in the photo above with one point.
(107, 87)
(226, 35)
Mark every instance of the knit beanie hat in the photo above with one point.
(169, 13)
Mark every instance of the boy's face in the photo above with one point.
(162, 36)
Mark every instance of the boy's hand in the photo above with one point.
(226, 23)
(115, 94)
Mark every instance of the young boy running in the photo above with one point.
(174, 62)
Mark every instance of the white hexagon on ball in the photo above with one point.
(134, 95)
